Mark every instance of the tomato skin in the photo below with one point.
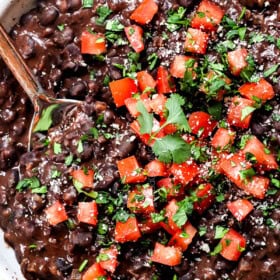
(88, 212)
(196, 41)
(131, 104)
(261, 89)
(165, 83)
(184, 173)
(178, 66)
(134, 34)
(257, 186)
(231, 244)
(178, 239)
(240, 208)
(212, 16)
(145, 12)
(122, 89)
(237, 61)
(112, 263)
(157, 103)
(166, 255)
(86, 179)
(94, 272)
(172, 189)
(156, 168)
(147, 226)
(145, 81)
(257, 148)
(92, 43)
(127, 231)
(223, 138)
(130, 170)
(201, 121)
(145, 205)
(206, 197)
(234, 116)
(56, 213)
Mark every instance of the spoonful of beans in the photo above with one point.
(44, 106)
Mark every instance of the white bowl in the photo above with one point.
(10, 12)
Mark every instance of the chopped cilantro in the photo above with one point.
(176, 19)
(87, 3)
(152, 61)
(247, 174)
(217, 250)
(158, 217)
(271, 70)
(61, 27)
(83, 266)
(220, 232)
(202, 230)
(103, 12)
(57, 148)
(145, 119)
(114, 25)
(68, 160)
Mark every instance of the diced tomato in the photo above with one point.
(84, 177)
(168, 129)
(178, 66)
(237, 115)
(131, 104)
(147, 226)
(237, 61)
(165, 83)
(240, 208)
(261, 89)
(141, 200)
(87, 212)
(134, 34)
(185, 172)
(56, 213)
(183, 238)
(209, 79)
(93, 43)
(223, 139)
(146, 82)
(196, 41)
(263, 156)
(130, 171)
(206, 197)
(208, 16)
(111, 262)
(122, 89)
(156, 168)
(95, 272)
(172, 189)
(158, 103)
(232, 165)
(127, 231)
(166, 255)
(170, 210)
(145, 12)
(233, 243)
(257, 186)
(201, 124)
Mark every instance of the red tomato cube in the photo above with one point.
(206, 197)
(208, 16)
(185, 172)
(261, 89)
(156, 168)
(56, 213)
(93, 43)
(237, 61)
(182, 239)
(170, 210)
(172, 189)
(166, 255)
(87, 212)
(256, 187)
(127, 231)
(141, 200)
(201, 124)
(145, 12)
(131, 104)
(263, 156)
(84, 177)
(233, 244)
(240, 208)
(158, 103)
(223, 139)
(196, 41)
(94, 272)
(147, 226)
(238, 112)
(146, 82)
(134, 34)
(178, 66)
(130, 171)
(111, 263)
(165, 83)
(122, 89)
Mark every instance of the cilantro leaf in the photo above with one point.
(246, 112)
(172, 148)
(33, 184)
(271, 70)
(45, 120)
(185, 209)
(176, 19)
(145, 119)
(220, 232)
(87, 4)
(217, 250)
(103, 12)
(175, 112)
(114, 25)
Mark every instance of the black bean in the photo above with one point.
(80, 238)
(27, 46)
(74, 4)
(8, 116)
(70, 195)
(185, 3)
(48, 15)
(63, 265)
(259, 128)
(109, 116)
(78, 89)
(3, 90)
(62, 38)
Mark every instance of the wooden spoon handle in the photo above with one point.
(18, 66)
